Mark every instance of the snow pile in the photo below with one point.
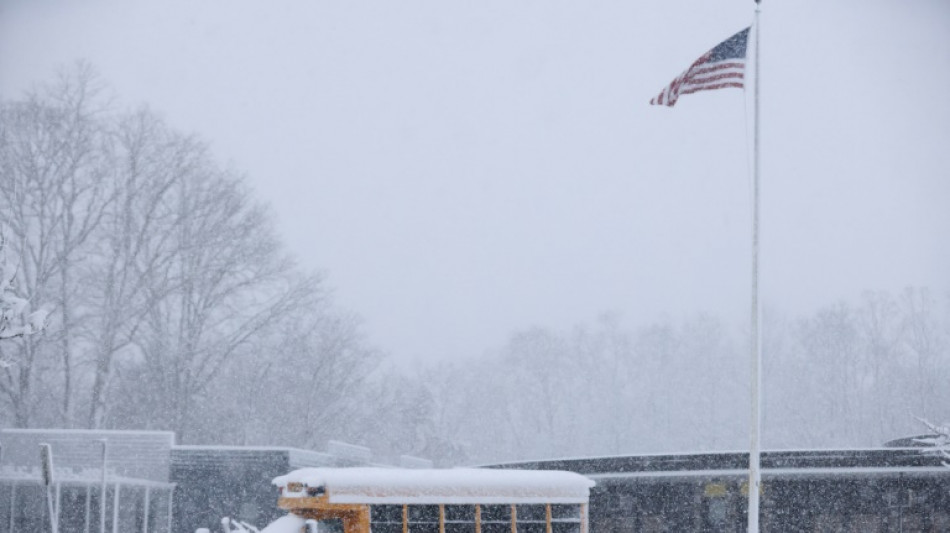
(237, 526)
(285, 524)
(438, 486)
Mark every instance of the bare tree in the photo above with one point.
(302, 382)
(137, 249)
(51, 201)
(337, 363)
(927, 344)
(881, 326)
(228, 282)
(167, 280)
(830, 374)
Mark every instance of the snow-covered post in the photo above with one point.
(46, 461)
(102, 493)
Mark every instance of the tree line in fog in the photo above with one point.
(175, 307)
(852, 374)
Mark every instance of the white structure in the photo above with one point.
(127, 470)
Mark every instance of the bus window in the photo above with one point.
(324, 526)
(460, 518)
(566, 518)
(532, 518)
(386, 518)
(424, 519)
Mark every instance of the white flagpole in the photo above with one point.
(755, 477)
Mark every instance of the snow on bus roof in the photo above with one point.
(440, 486)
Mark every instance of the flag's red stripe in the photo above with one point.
(692, 90)
(718, 66)
(690, 82)
(725, 75)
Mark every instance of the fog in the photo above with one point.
(461, 174)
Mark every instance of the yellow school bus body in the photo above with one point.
(349, 495)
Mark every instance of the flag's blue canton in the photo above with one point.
(732, 48)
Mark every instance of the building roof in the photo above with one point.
(878, 460)
(188, 456)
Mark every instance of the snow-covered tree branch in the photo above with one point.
(939, 438)
(14, 320)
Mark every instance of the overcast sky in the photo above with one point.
(464, 169)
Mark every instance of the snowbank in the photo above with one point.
(285, 524)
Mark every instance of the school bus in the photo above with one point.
(463, 500)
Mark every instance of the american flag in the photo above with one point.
(721, 67)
